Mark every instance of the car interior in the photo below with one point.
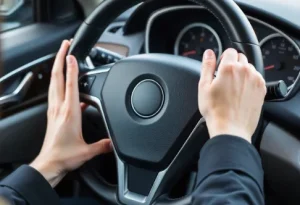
(139, 69)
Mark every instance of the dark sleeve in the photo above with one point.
(26, 186)
(230, 172)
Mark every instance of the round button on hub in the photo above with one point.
(147, 98)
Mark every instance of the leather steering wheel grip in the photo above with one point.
(234, 21)
(238, 29)
(232, 18)
(95, 24)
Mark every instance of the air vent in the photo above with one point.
(115, 29)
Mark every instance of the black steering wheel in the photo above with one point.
(149, 105)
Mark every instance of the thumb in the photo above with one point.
(209, 64)
(100, 147)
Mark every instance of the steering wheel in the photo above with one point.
(149, 105)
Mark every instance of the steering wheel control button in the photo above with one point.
(147, 98)
(85, 83)
(102, 56)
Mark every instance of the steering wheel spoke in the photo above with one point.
(91, 83)
(138, 186)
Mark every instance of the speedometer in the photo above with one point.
(281, 58)
(195, 38)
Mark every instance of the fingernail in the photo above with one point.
(208, 54)
(70, 60)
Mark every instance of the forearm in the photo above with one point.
(230, 172)
(30, 186)
(49, 171)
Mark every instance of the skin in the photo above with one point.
(231, 104)
(64, 148)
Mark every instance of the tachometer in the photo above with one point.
(281, 58)
(195, 38)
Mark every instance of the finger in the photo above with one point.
(72, 92)
(243, 59)
(209, 64)
(101, 147)
(57, 87)
(83, 106)
(230, 56)
(252, 68)
(256, 73)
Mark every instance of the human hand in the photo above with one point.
(64, 148)
(232, 102)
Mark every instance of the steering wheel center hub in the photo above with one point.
(147, 98)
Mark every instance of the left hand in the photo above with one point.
(64, 148)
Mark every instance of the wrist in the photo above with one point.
(217, 126)
(49, 170)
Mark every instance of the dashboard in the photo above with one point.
(196, 30)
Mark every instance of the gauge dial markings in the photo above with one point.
(194, 39)
(281, 57)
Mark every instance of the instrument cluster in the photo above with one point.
(197, 30)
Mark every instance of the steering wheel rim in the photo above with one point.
(242, 37)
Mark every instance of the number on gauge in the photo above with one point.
(194, 39)
(281, 59)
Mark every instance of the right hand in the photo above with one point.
(232, 102)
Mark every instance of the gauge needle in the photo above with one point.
(193, 52)
(270, 67)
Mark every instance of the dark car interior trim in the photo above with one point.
(23, 125)
(19, 92)
(26, 68)
(32, 126)
(280, 154)
(158, 13)
(26, 49)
